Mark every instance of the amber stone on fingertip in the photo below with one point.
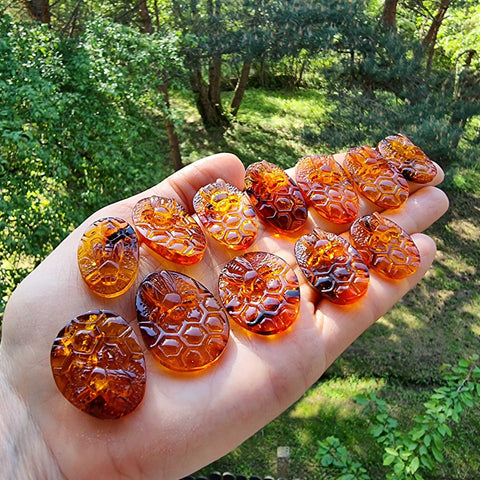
(332, 266)
(385, 246)
(226, 214)
(275, 197)
(260, 292)
(98, 365)
(182, 324)
(375, 178)
(408, 158)
(167, 229)
(108, 256)
(326, 187)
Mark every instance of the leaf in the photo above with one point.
(327, 460)
(388, 459)
(437, 454)
(414, 464)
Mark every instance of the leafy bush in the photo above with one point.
(78, 118)
(408, 454)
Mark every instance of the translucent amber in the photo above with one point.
(108, 256)
(376, 179)
(275, 196)
(169, 230)
(326, 187)
(260, 292)
(181, 322)
(98, 365)
(332, 266)
(385, 246)
(408, 158)
(227, 214)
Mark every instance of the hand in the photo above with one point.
(185, 420)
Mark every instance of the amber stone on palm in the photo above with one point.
(332, 266)
(260, 292)
(168, 230)
(275, 196)
(376, 179)
(408, 158)
(182, 324)
(385, 246)
(108, 256)
(227, 214)
(326, 187)
(98, 365)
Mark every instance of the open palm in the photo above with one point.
(186, 420)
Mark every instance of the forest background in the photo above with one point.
(101, 99)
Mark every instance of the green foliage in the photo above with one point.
(408, 454)
(79, 128)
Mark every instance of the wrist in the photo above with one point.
(23, 450)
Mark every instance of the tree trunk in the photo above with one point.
(39, 10)
(172, 136)
(163, 90)
(145, 14)
(389, 15)
(208, 112)
(240, 88)
(215, 83)
(431, 37)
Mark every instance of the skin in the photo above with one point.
(187, 420)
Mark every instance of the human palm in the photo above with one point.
(186, 420)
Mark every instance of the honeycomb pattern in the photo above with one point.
(168, 230)
(275, 197)
(108, 256)
(408, 158)
(332, 266)
(385, 246)
(98, 365)
(326, 187)
(260, 292)
(181, 322)
(376, 179)
(227, 214)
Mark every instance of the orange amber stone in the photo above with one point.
(108, 256)
(326, 187)
(227, 214)
(332, 266)
(181, 322)
(275, 196)
(98, 365)
(376, 179)
(385, 246)
(408, 158)
(260, 292)
(169, 230)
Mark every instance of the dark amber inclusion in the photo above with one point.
(385, 246)
(375, 178)
(98, 365)
(167, 229)
(260, 292)
(108, 256)
(326, 187)
(408, 158)
(332, 266)
(181, 322)
(275, 196)
(227, 214)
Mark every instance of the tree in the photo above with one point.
(389, 14)
(431, 37)
(39, 10)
